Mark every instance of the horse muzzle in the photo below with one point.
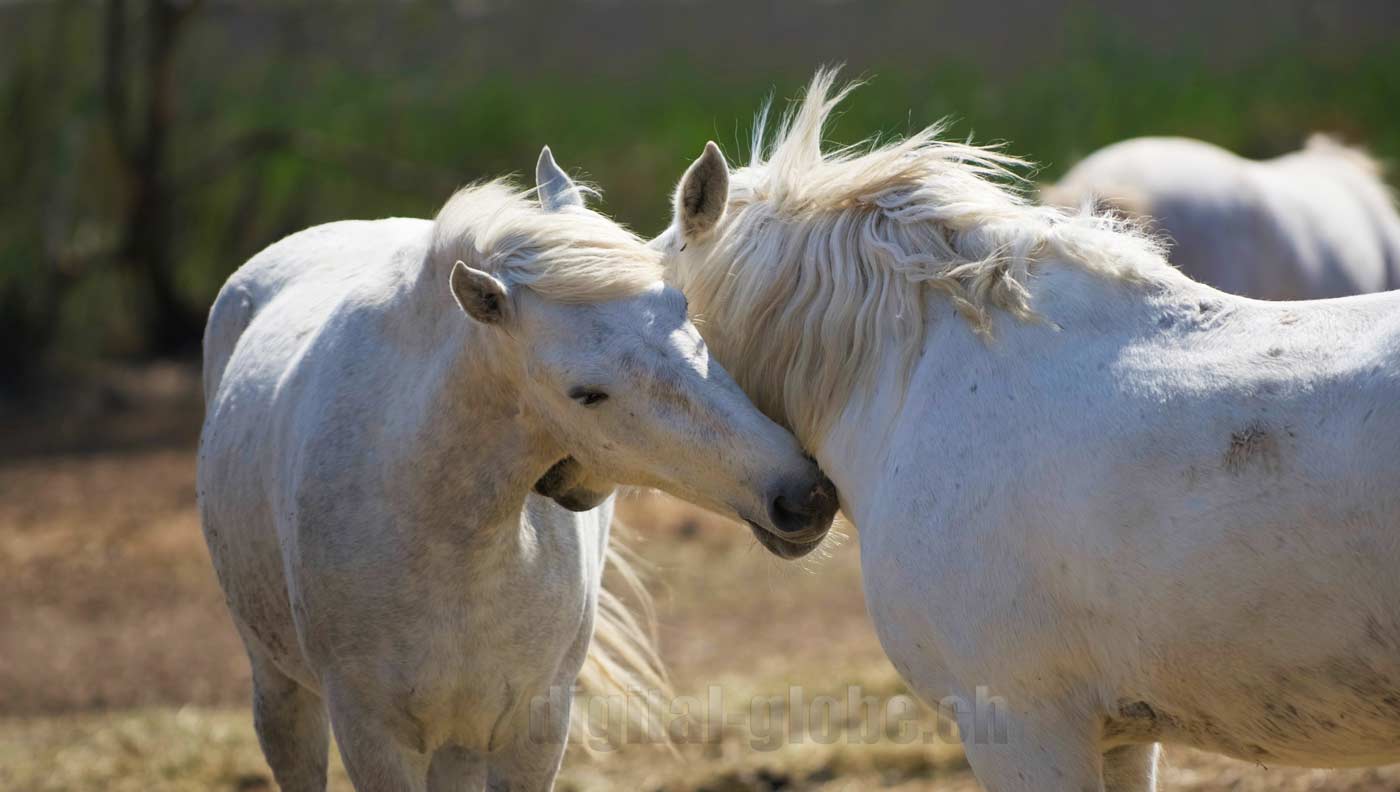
(800, 514)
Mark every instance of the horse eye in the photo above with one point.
(588, 397)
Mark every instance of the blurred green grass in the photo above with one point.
(268, 140)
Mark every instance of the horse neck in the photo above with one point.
(471, 445)
(853, 448)
(856, 448)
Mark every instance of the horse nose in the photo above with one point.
(804, 508)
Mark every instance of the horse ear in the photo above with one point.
(483, 296)
(703, 193)
(556, 189)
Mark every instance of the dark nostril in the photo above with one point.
(786, 516)
(804, 509)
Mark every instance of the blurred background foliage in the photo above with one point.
(151, 146)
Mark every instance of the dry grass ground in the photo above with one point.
(119, 669)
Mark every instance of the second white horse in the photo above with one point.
(1311, 224)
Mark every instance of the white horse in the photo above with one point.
(1316, 223)
(367, 463)
(1133, 507)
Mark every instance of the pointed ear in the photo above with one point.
(483, 296)
(703, 194)
(556, 189)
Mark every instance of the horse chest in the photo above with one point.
(902, 572)
(498, 658)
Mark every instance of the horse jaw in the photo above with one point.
(566, 483)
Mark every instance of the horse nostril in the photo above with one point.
(788, 517)
(805, 508)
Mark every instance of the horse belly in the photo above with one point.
(1287, 653)
(1343, 712)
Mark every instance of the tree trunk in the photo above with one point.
(172, 326)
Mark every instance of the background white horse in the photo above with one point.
(368, 457)
(1316, 223)
(1131, 506)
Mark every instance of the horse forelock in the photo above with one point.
(825, 259)
(569, 255)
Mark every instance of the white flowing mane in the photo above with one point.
(825, 260)
(570, 255)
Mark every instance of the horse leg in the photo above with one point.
(455, 769)
(291, 725)
(376, 757)
(530, 762)
(1038, 750)
(526, 767)
(1131, 768)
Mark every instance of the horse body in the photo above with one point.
(1130, 506)
(370, 563)
(1172, 571)
(366, 469)
(1315, 223)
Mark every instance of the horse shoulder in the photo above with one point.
(948, 523)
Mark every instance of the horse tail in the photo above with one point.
(228, 318)
(623, 664)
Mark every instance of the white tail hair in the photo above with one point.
(623, 660)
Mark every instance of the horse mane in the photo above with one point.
(572, 255)
(824, 260)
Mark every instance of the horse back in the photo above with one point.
(327, 257)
